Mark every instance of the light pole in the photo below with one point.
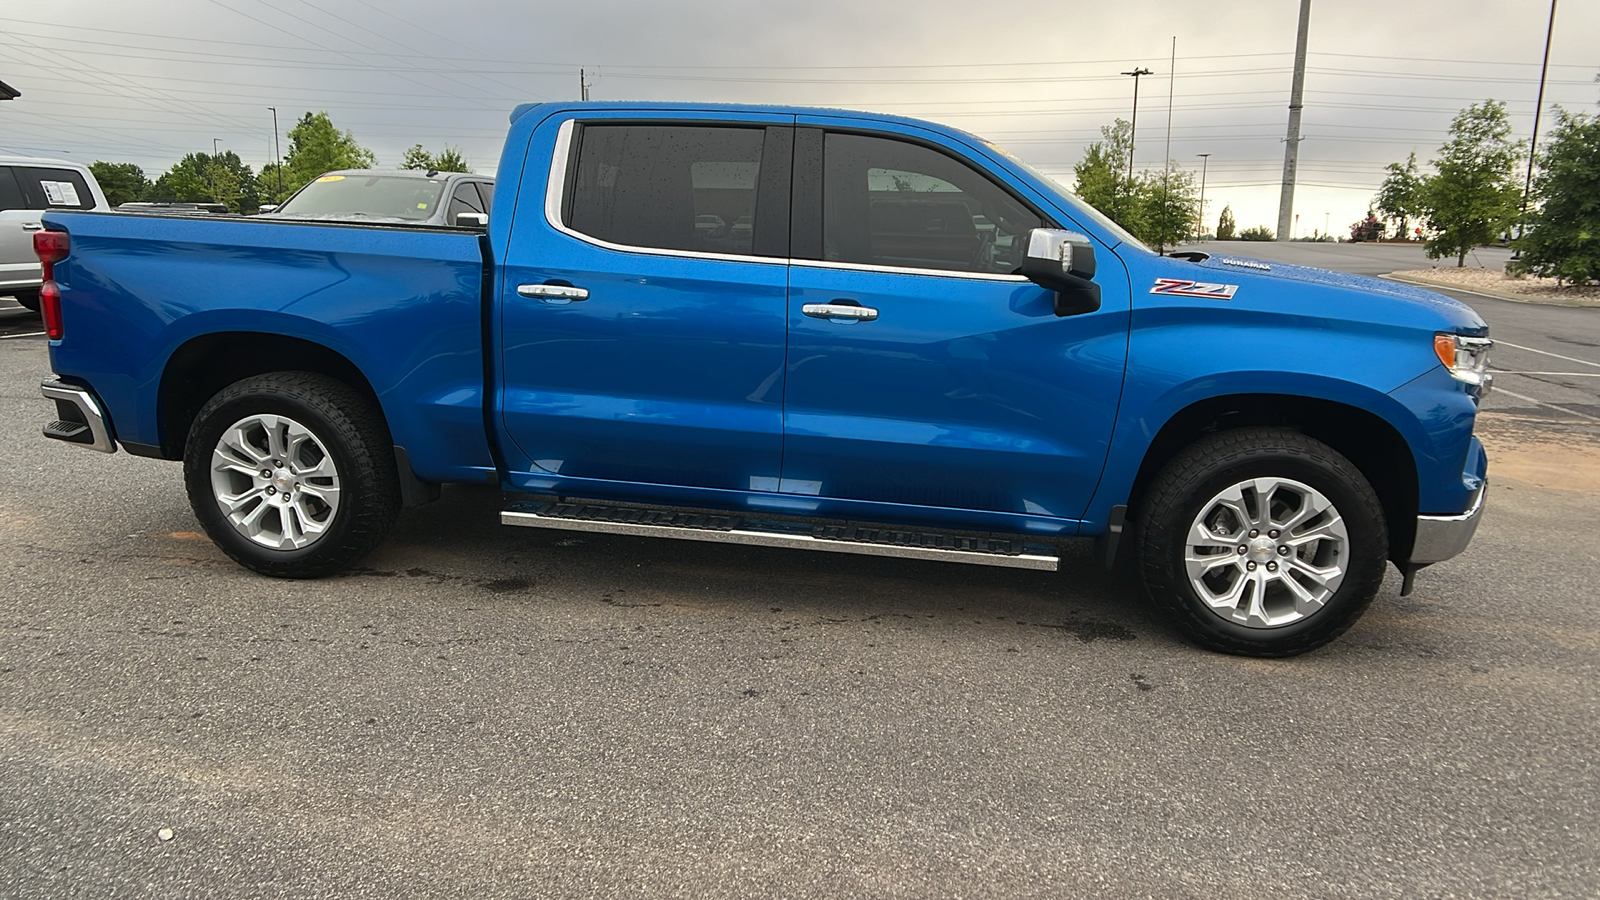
(1538, 107)
(213, 167)
(1133, 126)
(1200, 213)
(277, 149)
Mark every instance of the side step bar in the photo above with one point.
(737, 528)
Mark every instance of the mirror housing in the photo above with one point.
(267, 208)
(472, 220)
(1062, 261)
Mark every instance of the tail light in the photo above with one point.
(52, 247)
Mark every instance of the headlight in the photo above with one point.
(1467, 358)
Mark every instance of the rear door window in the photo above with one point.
(10, 194)
(46, 188)
(669, 187)
(464, 200)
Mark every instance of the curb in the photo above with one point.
(1536, 300)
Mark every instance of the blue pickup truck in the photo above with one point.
(786, 327)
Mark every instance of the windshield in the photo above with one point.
(388, 196)
(1104, 221)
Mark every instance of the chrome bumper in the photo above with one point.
(82, 422)
(1441, 537)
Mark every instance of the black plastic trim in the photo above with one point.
(805, 212)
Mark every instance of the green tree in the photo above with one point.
(1472, 197)
(1256, 233)
(1399, 195)
(1563, 237)
(1166, 201)
(1102, 177)
(204, 178)
(447, 160)
(1226, 226)
(121, 182)
(315, 148)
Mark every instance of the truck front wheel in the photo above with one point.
(291, 474)
(1262, 542)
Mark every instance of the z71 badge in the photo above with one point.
(1194, 288)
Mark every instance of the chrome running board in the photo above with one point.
(737, 528)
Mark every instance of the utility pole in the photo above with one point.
(1166, 159)
(1133, 127)
(583, 86)
(1538, 107)
(277, 149)
(1200, 214)
(213, 168)
(1291, 145)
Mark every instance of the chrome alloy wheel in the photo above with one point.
(275, 482)
(1267, 552)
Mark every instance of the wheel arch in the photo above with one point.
(1371, 443)
(206, 364)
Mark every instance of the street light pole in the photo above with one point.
(1538, 107)
(1133, 126)
(277, 149)
(213, 167)
(1200, 213)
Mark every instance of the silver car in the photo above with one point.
(29, 186)
(399, 196)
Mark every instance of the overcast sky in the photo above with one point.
(147, 82)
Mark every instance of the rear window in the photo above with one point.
(381, 196)
(47, 188)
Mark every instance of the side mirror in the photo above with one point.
(472, 220)
(1062, 261)
(267, 208)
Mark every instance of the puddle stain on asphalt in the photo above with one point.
(1541, 453)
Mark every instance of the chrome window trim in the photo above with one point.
(555, 193)
(907, 270)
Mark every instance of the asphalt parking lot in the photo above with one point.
(492, 712)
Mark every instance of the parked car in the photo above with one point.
(398, 196)
(974, 370)
(29, 186)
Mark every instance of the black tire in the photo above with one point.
(29, 300)
(1194, 483)
(344, 427)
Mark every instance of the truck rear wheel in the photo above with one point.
(291, 474)
(1262, 542)
(29, 300)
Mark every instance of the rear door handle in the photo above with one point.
(840, 310)
(563, 293)
(32, 226)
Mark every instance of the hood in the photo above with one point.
(1358, 290)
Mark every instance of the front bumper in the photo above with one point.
(80, 418)
(1441, 537)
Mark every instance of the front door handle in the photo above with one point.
(32, 226)
(564, 293)
(840, 310)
